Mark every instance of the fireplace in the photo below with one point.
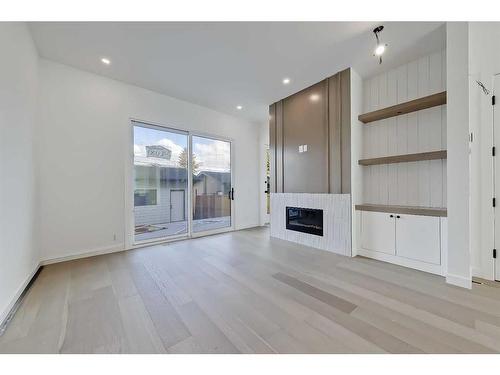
(306, 220)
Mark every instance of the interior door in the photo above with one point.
(212, 189)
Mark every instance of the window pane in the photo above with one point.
(145, 197)
(211, 184)
(160, 183)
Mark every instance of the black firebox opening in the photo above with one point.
(306, 220)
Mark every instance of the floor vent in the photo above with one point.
(481, 281)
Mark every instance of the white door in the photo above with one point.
(177, 204)
(378, 232)
(418, 238)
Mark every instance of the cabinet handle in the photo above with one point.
(398, 217)
(391, 215)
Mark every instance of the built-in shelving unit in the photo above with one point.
(433, 155)
(399, 163)
(407, 107)
(404, 210)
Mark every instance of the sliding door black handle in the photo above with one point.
(232, 194)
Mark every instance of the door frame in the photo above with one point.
(496, 181)
(129, 227)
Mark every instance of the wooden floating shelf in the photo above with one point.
(407, 107)
(433, 155)
(404, 210)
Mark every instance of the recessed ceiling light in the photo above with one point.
(314, 97)
(106, 61)
(286, 81)
(239, 107)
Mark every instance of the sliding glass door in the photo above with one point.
(160, 183)
(182, 184)
(212, 193)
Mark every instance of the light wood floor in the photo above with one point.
(242, 292)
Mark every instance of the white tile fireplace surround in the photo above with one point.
(336, 220)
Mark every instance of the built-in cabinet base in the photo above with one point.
(412, 241)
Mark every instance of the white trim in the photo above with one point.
(4, 314)
(460, 281)
(250, 226)
(405, 262)
(122, 247)
(86, 254)
(477, 272)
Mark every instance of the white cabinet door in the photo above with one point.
(378, 232)
(418, 238)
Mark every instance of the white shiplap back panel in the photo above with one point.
(420, 183)
(392, 137)
(381, 143)
(402, 131)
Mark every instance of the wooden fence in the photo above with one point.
(208, 206)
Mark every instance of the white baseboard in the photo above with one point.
(400, 261)
(109, 249)
(249, 226)
(85, 254)
(460, 281)
(20, 290)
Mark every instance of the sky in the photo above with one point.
(212, 155)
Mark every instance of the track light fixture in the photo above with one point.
(380, 48)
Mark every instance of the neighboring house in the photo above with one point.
(160, 192)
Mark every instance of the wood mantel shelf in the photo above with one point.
(407, 107)
(433, 155)
(404, 210)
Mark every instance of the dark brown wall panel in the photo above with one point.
(305, 119)
(335, 134)
(319, 117)
(272, 147)
(279, 147)
(339, 117)
(345, 90)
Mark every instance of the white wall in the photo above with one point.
(421, 183)
(356, 154)
(458, 171)
(85, 148)
(18, 95)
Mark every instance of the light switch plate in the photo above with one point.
(304, 148)
(301, 148)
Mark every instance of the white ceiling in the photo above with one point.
(224, 64)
